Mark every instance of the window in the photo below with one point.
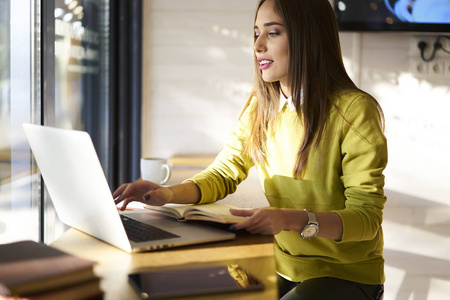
(19, 90)
(62, 69)
(73, 64)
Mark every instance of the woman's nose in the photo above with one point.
(259, 45)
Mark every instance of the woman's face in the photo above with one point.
(271, 45)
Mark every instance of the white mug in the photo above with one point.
(155, 170)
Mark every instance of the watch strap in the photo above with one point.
(311, 217)
(312, 227)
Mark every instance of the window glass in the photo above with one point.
(81, 79)
(19, 80)
(80, 102)
(82, 69)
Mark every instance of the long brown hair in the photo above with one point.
(316, 67)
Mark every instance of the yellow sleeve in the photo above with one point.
(364, 158)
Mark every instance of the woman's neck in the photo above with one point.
(285, 90)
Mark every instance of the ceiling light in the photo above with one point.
(68, 17)
(59, 12)
(78, 10)
(72, 5)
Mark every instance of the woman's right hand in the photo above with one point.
(142, 191)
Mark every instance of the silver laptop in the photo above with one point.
(80, 193)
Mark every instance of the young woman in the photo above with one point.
(318, 144)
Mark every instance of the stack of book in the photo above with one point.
(36, 271)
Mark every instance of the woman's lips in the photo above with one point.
(264, 63)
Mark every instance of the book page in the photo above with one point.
(172, 210)
(213, 208)
(213, 212)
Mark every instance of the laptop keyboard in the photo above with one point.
(141, 232)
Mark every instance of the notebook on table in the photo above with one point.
(80, 193)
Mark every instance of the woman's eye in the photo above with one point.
(270, 34)
(274, 34)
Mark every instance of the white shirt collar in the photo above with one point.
(289, 102)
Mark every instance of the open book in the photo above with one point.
(213, 212)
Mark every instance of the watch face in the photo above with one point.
(310, 231)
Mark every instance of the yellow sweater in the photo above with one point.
(344, 175)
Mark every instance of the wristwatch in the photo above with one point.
(312, 228)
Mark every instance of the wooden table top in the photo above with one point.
(254, 253)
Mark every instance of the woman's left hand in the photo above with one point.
(267, 220)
